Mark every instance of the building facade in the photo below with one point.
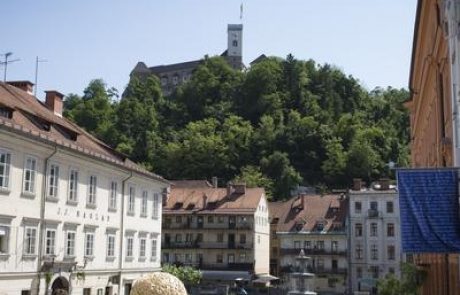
(74, 214)
(224, 232)
(374, 236)
(434, 110)
(172, 75)
(316, 224)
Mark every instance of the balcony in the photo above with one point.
(373, 213)
(205, 245)
(312, 252)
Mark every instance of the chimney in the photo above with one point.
(384, 184)
(54, 101)
(357, 183)
(230, 188)
(214, 182)
(26, 86)
(204, 201)
(240, 188)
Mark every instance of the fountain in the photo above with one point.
(303, 280)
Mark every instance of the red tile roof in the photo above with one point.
(212, 200)
(32, 118)
(190, 183)
(306, 212)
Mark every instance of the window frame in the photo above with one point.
(52, 183)
(153, 249)
(113, 195)
(144, 203)
(110, 252)
(129, 247)
(50, 248)
(156, 206)
(32, 172)
(5, 177)
(72, 191)
(89, 244)
(69, 246)
(30, 242)
(91, 198)
(131, 200)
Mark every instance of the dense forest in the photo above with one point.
(280, 123)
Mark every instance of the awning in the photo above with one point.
(222, 275)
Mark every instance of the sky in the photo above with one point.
(83, 40)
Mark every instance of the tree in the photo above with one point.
(253, 177)
(188, 275)
(409, 284)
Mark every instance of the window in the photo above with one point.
(25, 292)
(89, 244)
(358, 207)
(320, 263)
(86, 291)
(374, 252)
(73, 185)
(131, 200)
(320, 245)
(359, 252)
(111, 245)
(129, 246)
(220, 238)
(307, 245)
(188, 258)
(391, 270)
(374, 271)
(219, 258)
(5, 161)
(242, 238)
(164, 81)
(391, 252)
(199, 237)
(30, 239)
(156, 206)
(4, 234)
(30, 168)
(220, 219)
(70, 244)
(53, 179)
(358, 230)
(390, 230)
(5, 113)
(50, 248)
(154, 249)
(113, 195)
(242, 257)
(175, 79)
(142, 246)
(235, 43)
(390, 208)
(188, 237)
(296, 244)
(165, 256)
(373, 229)
(144, 204)
(359, 272)
(178, 238)
(92, 187)
(374, 205)
(334, 246)
(210, 219)
(178, 219)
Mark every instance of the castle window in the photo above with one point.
(5, 113)
(164, 81)
(235, 43)
(175, 79)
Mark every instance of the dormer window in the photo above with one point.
(319, 226)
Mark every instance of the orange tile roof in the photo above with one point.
(32, 118)
(212, 200)
(190, 183)
(305, 212)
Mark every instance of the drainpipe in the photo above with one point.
(42, 218)
(122, 230)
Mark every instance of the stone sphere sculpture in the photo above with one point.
(158, 283)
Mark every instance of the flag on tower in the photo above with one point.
(241, 11)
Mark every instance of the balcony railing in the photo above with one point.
(206, 245)
(296, 251)
(218, 226)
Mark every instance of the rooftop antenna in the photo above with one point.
(6, 62)
(37, 61)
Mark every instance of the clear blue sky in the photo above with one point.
(87, 39)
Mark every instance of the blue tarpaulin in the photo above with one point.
(429, 210)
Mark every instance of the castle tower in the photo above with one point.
(235, 45)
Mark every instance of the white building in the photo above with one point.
(374, 235)
(74, 214)
(317, 225)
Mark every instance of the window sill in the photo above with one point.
(4, 256)
(29, 256)
(72, 202)
(28, 195)
(141, 259)
(153, 259)
(52, 199)
(110, 258)
(130, 213)
(67, 257)
(154, 217)
(129, 259)
(111, 209)
(89, 257)
(143, 215)
(4, 191)
(91, 206)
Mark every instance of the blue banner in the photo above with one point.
(429, 210)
